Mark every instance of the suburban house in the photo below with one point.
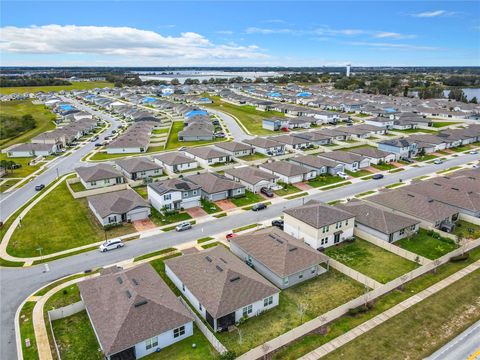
(275, 123)
(118, 206)
(302, 122)
(319, 165)
(379, 223)
(175, 162)
(288, 172)
(129, 144)
(279, 257)
(133, 312)
(197, 131)
(430, 212)
(266, 146)
(139, 168)
(292, 142)
(384, 122)
(318, 224)
(235, 148)
(314, 137)
(252, 178)
(208, 155)
(350, 161)
(216, 187)
(375, 155)
(403, 147)
(173, 194)
(221, 287)
(31, 150)
(98, 176)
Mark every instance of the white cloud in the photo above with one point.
(267, 31)
(224, 32)
(118, 42)
(392, 35)
(394, 46)
(435, 13)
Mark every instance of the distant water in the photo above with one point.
(469, 93)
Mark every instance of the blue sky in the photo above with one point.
(314, 33)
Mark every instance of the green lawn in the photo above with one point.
(21, 172)
(425, 326)
(160, 219)
(313, 297)
(427, 244)
(249, 198)
(159, 266)
(394, 185)
(425, 157)
(288, 189)
(27, 331)
(161, 131)
(439, 124)
(461, 148)
(384, 166)
(340, 326)
(59, 222)
(83, 85)
(142, 191)
(371, 260)
(324, 180)
(253, 157)
(414, 131)
(358, 173)
(75, 338)
(42, 115)
(250, 117)
(467, 230)
(155, 253)
(64, 297)
(77, 187)
(174, 143)
(8, 184)
(210, 207)
(183, 350)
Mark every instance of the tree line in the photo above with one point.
(26, 81)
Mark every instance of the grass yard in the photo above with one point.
(183, 350)
(358, 173)
(287, 189)
(27, 331)
(440, 124)
(174, 143)
(249, 198)
(384, 166)
(82, 85)
(21, 172)
(314, 297)
(159, 266)
(467, 230)
(253, 157)
(371, 260)
(155, 253)
(160, 219)
(324, 180)
(460, 148)
(42, 115)
(394, 185)
(8, 184)
(142, 191)
(64, 297)
(75, 338)
(77, 187)
(340, 326)
(425, 157)
(427, 244)
(250, 117)
(425, 327)
(209, 206)
(69, 224)
(161, 131)
(414, 131)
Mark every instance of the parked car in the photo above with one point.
(183, 226)
(98, 144)
(342, 175)
(95, 138)
(377, 176)
(438, 161)
(231, 235)
(114, 131)
(182, 148)
(220, 135)
(278, 223)
(39, 187)
(473, 152)
(266, 191)
(111, 244)
(259, 206)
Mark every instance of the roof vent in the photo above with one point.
(119, 280)
(209, 259)
(219, 268)
(293, 249)
(225, 261)
(135, 282)
(236, 278)
(129, 295)
(411, 195)
(455, 189)
(140, 303)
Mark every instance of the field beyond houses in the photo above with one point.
(82, 85)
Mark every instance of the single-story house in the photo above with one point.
(279, 257)
(251, 177)
(275, 124)
(100, 175)
(351, 161)
(235, 148)
(288, 172)
(319, 165)
(173, 194)
(197, 131)
(375, 155)
(379, 223)
(31, 150)
(314, 137)
(292, 142)
(318, 224)
(175, 162)
(208, 155)
(221, 287)
(266, 146)
(216, 187)
(139, 168)
(133, 312)
(118, 206)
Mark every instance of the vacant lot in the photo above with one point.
(427, 244)
(24, 170)
(370, 260)
(43, 119)
(312, 298)
(59, 222)
(467, 230)
(84, 85)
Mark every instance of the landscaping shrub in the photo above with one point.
(360, 309)
(459, 258)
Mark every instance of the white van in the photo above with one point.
(111, 244)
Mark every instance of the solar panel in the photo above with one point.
(219, 268)
(119, 280)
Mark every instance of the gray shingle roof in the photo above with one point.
(117, 202)
(318, 214)
(163, 187)
(206, 152)
(285, 168)
(97, 172)
(136, 164)
(233, 146)
(174, 158)
(250, 174)
(213, 183)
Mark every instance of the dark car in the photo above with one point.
(98, 144)
(259, 206)
(39, 187)
(377, 176)
(230, 235)
(266, 191)
(278, 223)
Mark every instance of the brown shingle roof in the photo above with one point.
(318, 214)
(174, 158)
(129, 306)
(213, 183)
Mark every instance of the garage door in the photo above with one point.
(138, 214)
(219, 196)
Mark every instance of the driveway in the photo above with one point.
(225, 204)
(196, 212)
(145, 224)
(303, 186)
(372, 169)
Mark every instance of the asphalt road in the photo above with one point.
(237, 132)
(17, 284)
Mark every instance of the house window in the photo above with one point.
(268, 301)
(167, 197)
(194, 192)
(107, 181)
(300, 276)
(285, 281)
(142, 173)
(151, 343)
(247, 310)
(156, 171)
(209, 161)
(200, 307)
(185, 194)
(412, 227)
(183, 287)
(313, 270)
(179, 331)
(325, 229)
(93, 183)
(402, 232)
(346, 222)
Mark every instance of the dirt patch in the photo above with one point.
(142, 225)
(225, 204)
(303, 186)
(196, 212)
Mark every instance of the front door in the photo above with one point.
(336, 238)
(124, 217)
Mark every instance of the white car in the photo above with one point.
(473, 152)
(111, 244)
(342, 175)
(438, 162)
(183, 226)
